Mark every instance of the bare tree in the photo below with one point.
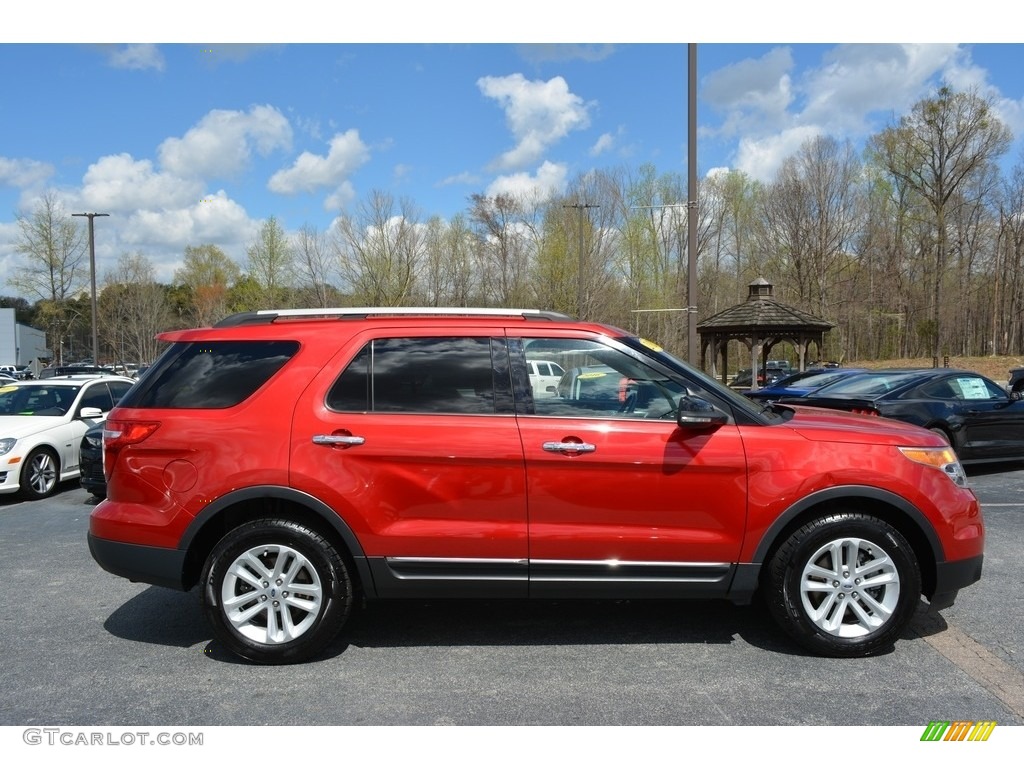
(315, 268)
(378, 250)
(446, 268)
(53, 248)
(935, 150)
(135, 308)
(504, 248)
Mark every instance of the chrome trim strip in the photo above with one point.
(627, 563)
(485, 560)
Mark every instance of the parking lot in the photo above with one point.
(84, 648)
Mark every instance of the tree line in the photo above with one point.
(912, 247)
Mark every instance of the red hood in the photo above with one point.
(824, 424)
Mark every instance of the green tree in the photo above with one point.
(207, 274)
(271, 264)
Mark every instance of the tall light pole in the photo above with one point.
(691, 203)
(92, 277)
(581, 207)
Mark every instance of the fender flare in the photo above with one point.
(317, 507)
(748, 574)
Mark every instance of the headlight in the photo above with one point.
(940, 458)
(6, 443)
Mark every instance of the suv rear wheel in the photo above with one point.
(844, 585)
(275, 591)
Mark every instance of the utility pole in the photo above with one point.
(691, 204)
(92, 277)
(581, 207)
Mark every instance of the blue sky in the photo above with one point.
(195, 142)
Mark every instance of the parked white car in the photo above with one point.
(544, 377)
(42, 424)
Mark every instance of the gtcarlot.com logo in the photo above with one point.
(958, 730)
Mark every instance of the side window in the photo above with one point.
(603, 382)
(118, 389)
(974, 388)
(418, 375)
(211, 374)
(97, 396)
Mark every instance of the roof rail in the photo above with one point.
(266, 316)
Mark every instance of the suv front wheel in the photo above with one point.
(844, 585)
(275, 591)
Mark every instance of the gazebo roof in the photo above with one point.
(761, 313)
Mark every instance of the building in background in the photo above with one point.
(21, 344)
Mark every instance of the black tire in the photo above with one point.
(941, 433)
(40, 474)
(826, 607)
(275, 591)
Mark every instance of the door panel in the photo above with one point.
(418, 450)
(619, 495)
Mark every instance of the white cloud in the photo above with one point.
(549, 181)
(222, 142)
(465, 178)
(538, 114)
(848, 94)
(311, 172)
(136, 57)
(603, 144)
(23, 173)
(122, 183)
(856, 80)
(340, 198)
(761, 158)
(753, 92)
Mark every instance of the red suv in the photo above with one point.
(292, 462)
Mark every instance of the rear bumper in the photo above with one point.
(135, 562)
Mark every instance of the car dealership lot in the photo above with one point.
(85, 648)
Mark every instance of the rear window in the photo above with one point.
(217, 374)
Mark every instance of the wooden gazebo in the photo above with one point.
(759, 323)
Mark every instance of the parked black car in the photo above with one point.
(90, 462)
(1016, 381)
(977, 416)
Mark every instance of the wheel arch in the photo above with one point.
(887, 506)
(237, 507)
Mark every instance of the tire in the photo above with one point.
(40, 474)
(941, 433)
(275, 591)
(824, 604)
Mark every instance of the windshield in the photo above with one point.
(810, 379)
(36, 400)
(875, 383)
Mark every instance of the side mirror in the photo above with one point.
(90, 413)
(696, 413)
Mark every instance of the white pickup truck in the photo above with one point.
(544, 377)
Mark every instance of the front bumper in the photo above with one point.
(951, 577)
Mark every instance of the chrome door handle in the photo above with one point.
(554, 446)
(338, 440)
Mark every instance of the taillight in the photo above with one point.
(118, 434)
(865, 411)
